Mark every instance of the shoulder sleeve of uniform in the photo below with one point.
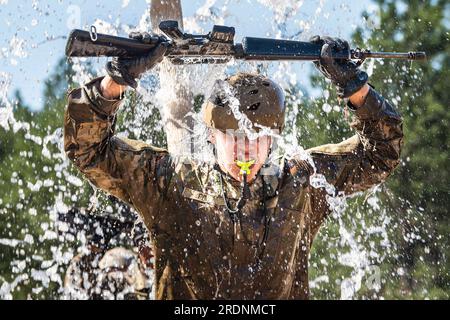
(370, 156)
(122, 167)
(90, 95)
(375, 107)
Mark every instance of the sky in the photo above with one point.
(32, 31)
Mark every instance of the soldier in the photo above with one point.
(225, 230)
(105, 268)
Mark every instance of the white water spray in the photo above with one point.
(198, 80)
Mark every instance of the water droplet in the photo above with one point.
(326, 107)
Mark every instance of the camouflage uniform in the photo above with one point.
(200, 251)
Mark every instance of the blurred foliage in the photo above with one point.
(416, 196)
(38, 184)
(29, 187)
(412, 205)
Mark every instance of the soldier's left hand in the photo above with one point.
(343, 73)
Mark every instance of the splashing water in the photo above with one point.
(159, 88)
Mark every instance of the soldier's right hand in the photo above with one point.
(126, 71)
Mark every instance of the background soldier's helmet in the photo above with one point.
(117, 274)
(122, 273)
(256, 96)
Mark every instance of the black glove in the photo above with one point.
(343, 73)
(125, 71)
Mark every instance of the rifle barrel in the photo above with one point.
(418, 55)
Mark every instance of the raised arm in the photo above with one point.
(115, 165)
(118, 166)
(367, 158)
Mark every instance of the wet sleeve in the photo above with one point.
(121, 167)
(371, 155)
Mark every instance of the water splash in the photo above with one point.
(50, 270)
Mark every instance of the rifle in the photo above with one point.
(215, 47)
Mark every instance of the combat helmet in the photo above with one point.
(257, 97)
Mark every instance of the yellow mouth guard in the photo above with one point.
(245, 166)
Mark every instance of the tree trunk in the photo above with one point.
(178, 100)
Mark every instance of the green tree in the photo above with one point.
(33, 176)
(415, 197)
(38, 183)
(420, 193)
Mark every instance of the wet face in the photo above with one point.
(235, 146)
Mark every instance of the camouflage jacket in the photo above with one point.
(200, 251)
